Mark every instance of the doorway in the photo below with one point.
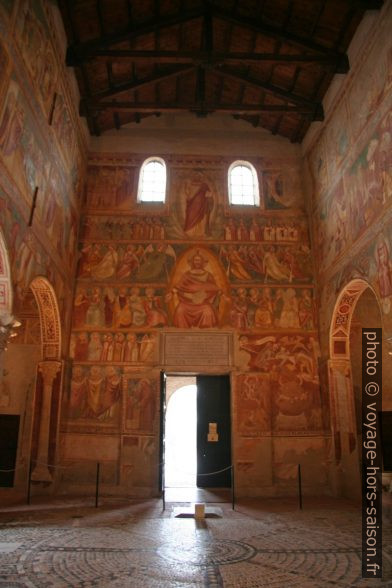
(195, 435)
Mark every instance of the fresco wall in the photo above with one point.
(198, 264)
(42, 167)
(349, 161)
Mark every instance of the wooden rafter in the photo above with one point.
(154, 107)
(136, 84)
(271, 88)
(78, 53)
(275, 33)
(339, 62)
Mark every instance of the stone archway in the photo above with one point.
(342, 402)
(48, 383)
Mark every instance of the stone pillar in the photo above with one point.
(344, 429)
(49, 371)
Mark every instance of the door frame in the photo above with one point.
(179, 373)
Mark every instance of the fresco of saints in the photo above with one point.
(197, 293)
(199, 204)
(384, 268)
(141, 405)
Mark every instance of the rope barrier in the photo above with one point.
(14, 469)
(217, 471)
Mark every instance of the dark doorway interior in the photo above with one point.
(9, 430)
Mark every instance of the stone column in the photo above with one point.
(49, 371)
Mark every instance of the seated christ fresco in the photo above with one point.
(196, 291)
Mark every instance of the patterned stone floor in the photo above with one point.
(136, 545)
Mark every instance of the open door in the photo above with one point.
(162, 414)
(213, 431)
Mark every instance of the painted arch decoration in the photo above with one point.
(342, 316)
(49, 318)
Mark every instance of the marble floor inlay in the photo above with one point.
(136, 545)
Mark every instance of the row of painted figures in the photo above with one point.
(283, 263)
(113, 347)
(152, 228)
(123, 307)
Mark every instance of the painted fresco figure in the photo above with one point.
(95, 347)
(141, 406)
(130, 349)
(81, 306)
(265, 310)
(384, 268)
(106, 267)
(197, 293)
(198, 209)
(289, 317)
(239, 312)
(305, 311)
(155, 315)
(94, 312)
(273, 268)
(78, 392)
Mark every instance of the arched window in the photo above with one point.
(152, 181)
(243, 184)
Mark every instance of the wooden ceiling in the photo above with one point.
(268, 62)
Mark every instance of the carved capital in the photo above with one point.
(49, 371)
(340, 365)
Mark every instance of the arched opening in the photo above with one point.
(32, 382)
(180, 438)
(357, 307)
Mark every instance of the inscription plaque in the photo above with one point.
(196, 349)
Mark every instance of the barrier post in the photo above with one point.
(299, 486)
(97, 486)
(232, 488)
(29, 482)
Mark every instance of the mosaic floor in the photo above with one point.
(136, 545)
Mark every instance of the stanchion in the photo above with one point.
(29, 482)
(232, 488)
(163, 500)
(299, 486)
(97, 486)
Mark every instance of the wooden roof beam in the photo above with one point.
(78, 53)
(338, 63)
(135, 84)
(154, 108)
(276, 33)
(275, 90)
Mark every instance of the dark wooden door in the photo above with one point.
(9, 431)
(213, 431)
